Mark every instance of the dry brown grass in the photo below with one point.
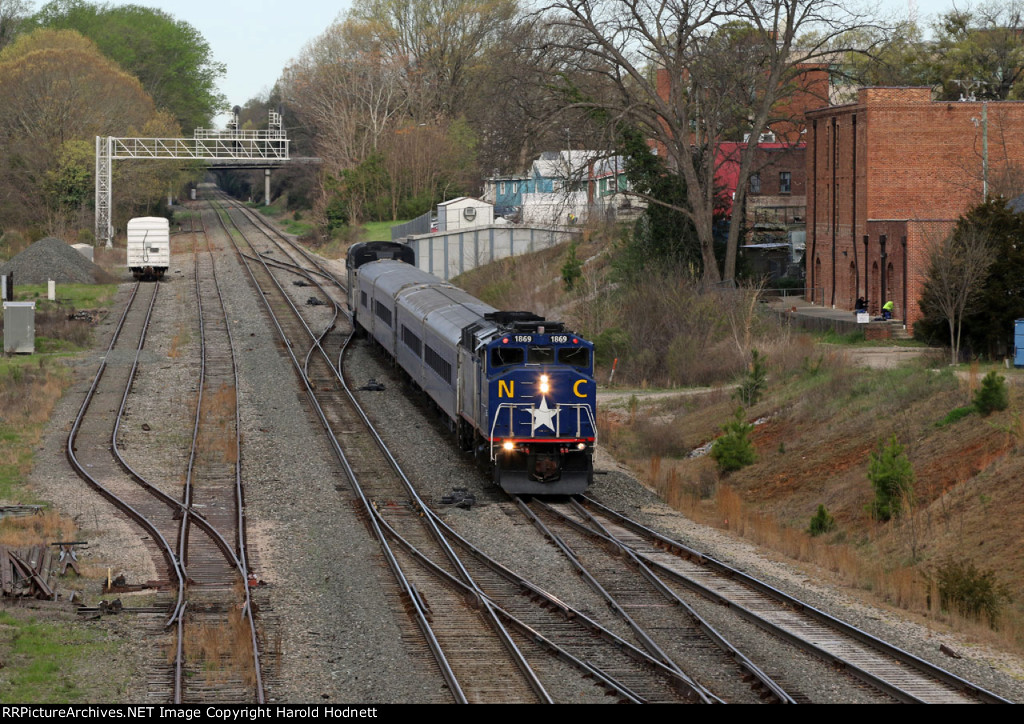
(221, 648)
(42, 528)
(180, 339)
(218, 421)
(815, 449)
(28, 392)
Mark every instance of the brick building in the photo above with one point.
(889, 174)
(775, 203)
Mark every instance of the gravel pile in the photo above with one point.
(51, 258)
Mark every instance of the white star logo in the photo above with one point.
(544, 416)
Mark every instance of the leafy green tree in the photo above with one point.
(734, 449)
(170, 58)
(892, 478)
(982, 47)
(993, 395)
(69, 184)
(60, 93)
(821, 522)
(572, 269)
(1000, 293)
(752, 385)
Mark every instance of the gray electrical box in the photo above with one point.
(19, 327)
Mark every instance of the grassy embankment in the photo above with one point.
(298, 223)
(40, 651)
(821, 423)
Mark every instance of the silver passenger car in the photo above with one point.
(419, 320)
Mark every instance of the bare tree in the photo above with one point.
(694, 73)
(12, 15)
(345, 93)
(438, 42)
(957, 266)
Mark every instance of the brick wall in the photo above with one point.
(899, 164)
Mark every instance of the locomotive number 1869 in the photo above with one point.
(559, 339)
(523, 338)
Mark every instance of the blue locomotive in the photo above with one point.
(518, 390)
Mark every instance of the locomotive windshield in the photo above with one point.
(503, 356)
(578, 357)
(575, 356)
(540, 356)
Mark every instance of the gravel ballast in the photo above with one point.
(338, 632)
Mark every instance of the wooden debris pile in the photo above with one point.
(25, 572)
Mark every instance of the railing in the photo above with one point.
(208, 133)
(583, 413)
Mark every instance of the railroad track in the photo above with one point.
(669, 629)
(899, 674)
(440, 582)
(397, 514)
(475, 672)
(198, 538)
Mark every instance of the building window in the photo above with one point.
(755, 183)
(501, 188)
(785, 181)
(515, 187)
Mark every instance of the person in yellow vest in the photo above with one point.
(887, 310)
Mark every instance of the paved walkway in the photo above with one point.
(816, 317)
(802, 308)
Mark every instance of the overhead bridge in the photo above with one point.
(231, 149)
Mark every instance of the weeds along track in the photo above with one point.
(213, 653)
(495, 637)
(897, 673)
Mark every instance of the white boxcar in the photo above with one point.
(149, 246)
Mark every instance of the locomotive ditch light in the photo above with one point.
(582, 446)
(509, 445)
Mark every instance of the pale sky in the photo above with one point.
(257, 39)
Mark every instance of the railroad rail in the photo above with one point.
(668, 628)
(397, 512)
(898, 673)
(190, 562)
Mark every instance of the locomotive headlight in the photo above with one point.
(544, 386)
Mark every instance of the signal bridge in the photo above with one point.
(230, 149)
